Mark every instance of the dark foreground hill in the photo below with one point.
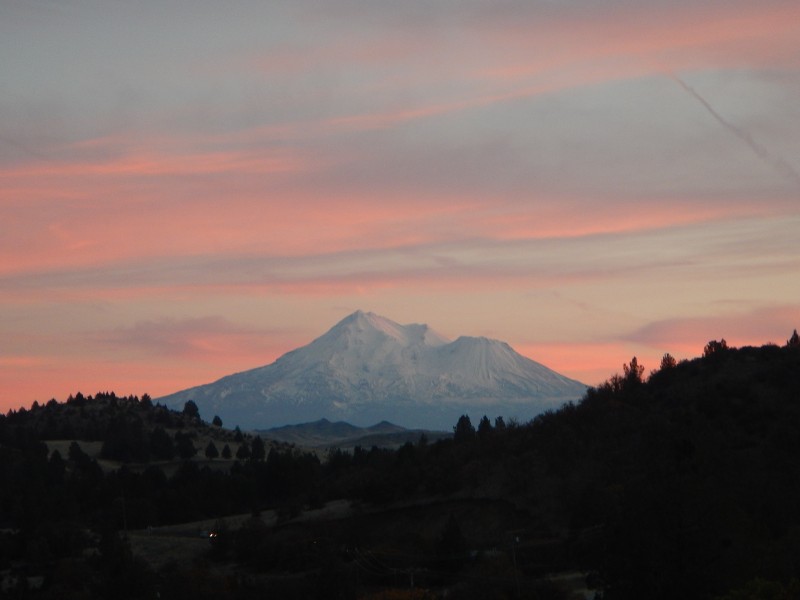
(683, 484)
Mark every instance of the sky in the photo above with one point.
(191, 189)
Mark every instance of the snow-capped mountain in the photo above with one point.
(368, 368)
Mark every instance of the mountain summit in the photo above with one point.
(368, 368)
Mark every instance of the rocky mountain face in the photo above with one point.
(368, 368)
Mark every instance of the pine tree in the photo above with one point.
(715, 348)
(243, 451)
(190, 409)
(257, 451)
(668, 361)
(184, 446)
(794, 341)
(463, 431)
(211, 450)
(484, 427)
(633, 371)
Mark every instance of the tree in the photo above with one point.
(243, 452)
(76, 453)
(161, 445)
(211, 450)
(226, 452)
(794, 341)
(190, 410)
(56, 467)
(484, 427)
(257, 451)
(668, 362)
(633, 371)
(184, 445)
(715, 348)
(499, 423)
(463, 431)
(216, 421)
(125, 441)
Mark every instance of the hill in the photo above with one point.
(368, 368)
(119, 430)
(325, 434)
(680, 484)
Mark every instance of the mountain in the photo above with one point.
(368, 368)
(325, 434)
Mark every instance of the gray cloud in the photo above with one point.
(185, 337)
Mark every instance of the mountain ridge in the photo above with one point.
(324, 433)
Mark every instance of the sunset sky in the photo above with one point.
(191, 189)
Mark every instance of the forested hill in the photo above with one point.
(693, 476)
(683, 483)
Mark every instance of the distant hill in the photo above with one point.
(325, 434)
(368, 368)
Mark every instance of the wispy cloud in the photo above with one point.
(200, 338)
(745, 246)
(756, 326)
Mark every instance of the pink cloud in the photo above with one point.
(104, 225)
(690, 334)
(139, 163)
(588, 362)
(695, 36)
(187, 352)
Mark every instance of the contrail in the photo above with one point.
(776, 162)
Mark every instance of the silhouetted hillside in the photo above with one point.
(683, 484)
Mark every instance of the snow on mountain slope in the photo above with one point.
(368, 368)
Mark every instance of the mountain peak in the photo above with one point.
(369, 326)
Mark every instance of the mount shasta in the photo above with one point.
(368, 368)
